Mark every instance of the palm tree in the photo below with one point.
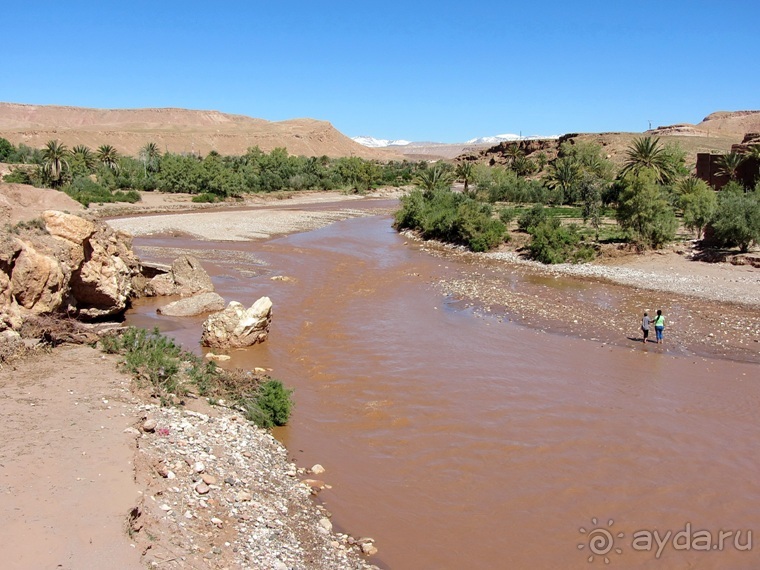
(54, 161)
(150, 154)
(513, 152)
(84, 154)
(108, 156)
(728, 164)
(432, 179)
(646, 152)
(564, 174)
(464, 172)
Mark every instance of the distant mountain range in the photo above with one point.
(372, 142)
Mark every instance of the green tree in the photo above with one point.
(563, 175)
(55, 161)
(108, 156)
(647, 153)
(150, 156)
(465, 173)
(513, 152)
(591, 190)
(644, 211)
(84, 155)
(729, 163)
(698, 202)
(7, 150)
(435, 178)
(737, 217)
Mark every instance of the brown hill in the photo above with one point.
(175, 130)
(731, 123)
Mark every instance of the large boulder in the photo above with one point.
(102, 284)
(69, 227)
(38, 281)
(192, 306)
(236, 326)
(186, 277)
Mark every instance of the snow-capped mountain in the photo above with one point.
(372, 142)
(509, 137)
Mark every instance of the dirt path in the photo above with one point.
(66, 474)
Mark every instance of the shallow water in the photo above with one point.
(460, 440)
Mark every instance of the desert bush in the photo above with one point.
(19, 176)
(643, 210)
(86, 191)
(531, 218)
(554, 243)
(507, 215)
(155, 358)
(270, 405)
(450, 217)
(736, 221)
(205, 197)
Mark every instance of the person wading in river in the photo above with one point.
(645, 326)
(659, 325)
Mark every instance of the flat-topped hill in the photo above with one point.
(175, 130)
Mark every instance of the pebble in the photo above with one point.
(149, 425)
(202, 488)
(317, 469)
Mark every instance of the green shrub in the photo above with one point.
(507, 215)
(130, 196)
(644, 211)
(18, 176)
(156, 358)
(532, 218)
(203, 376)
(206, 197)
(737, 218)
(554, 243)
(451, 217)
(270, 406)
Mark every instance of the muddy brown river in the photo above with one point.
(463, 440)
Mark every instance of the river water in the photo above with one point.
(460, 440)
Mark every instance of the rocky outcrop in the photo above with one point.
(102, 285)
(195, 305)
(38, 281)
(66, 264)
(237, 327)
(186, 277)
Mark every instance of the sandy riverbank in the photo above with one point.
(85, 486)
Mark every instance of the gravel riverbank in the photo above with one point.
(221, 493)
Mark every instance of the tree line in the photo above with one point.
(647, 199)
(104, 175)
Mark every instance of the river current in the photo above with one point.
(462, 440)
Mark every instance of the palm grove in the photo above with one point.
(643, 203)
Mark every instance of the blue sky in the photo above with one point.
(437, 71)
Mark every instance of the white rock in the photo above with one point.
(325, 524)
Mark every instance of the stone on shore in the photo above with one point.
(192, 306)
(38, 281)
(186, 277)
(236, 326)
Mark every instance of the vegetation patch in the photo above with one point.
(157, 362)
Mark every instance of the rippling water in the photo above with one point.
(457, 440)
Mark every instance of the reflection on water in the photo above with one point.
(463, 441)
